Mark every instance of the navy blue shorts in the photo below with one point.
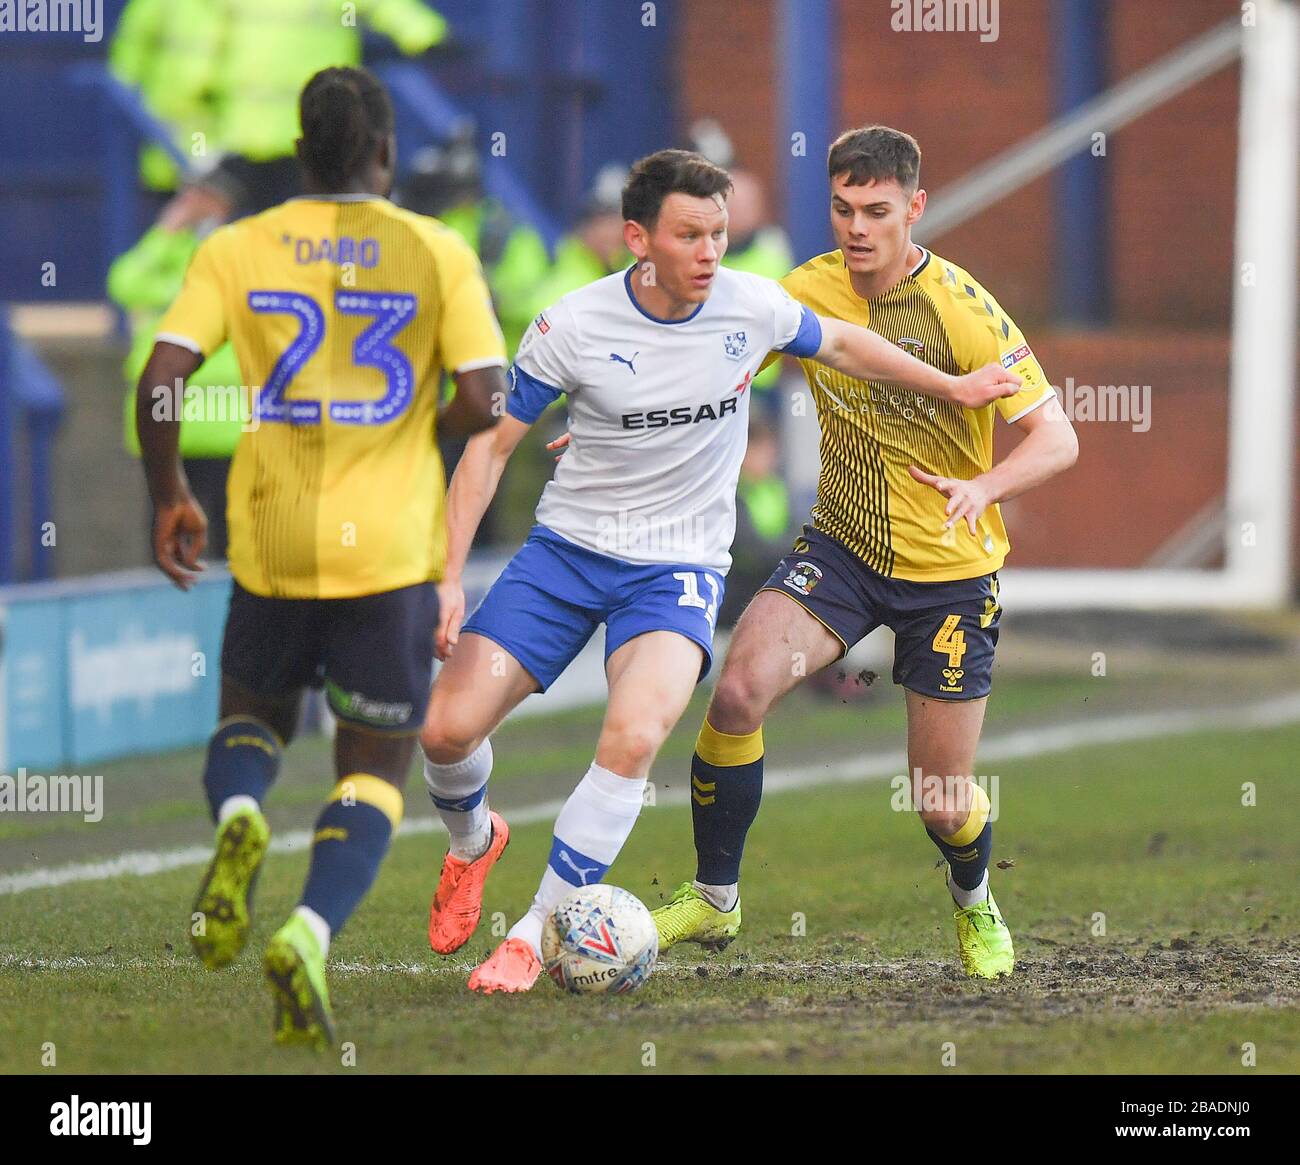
(373, 654)
(553, 595)
(944, 632)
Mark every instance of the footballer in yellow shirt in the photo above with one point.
(905, 533)
(343, 311)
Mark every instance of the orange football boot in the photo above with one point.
(511, 967)
(458, 901)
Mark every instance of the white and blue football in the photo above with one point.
(599, 940)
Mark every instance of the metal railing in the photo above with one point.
(31, 408)
(442, 120)
(1040, 152)
(127, 124)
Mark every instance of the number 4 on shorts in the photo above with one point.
(949, 641)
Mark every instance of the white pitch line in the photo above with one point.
(1018, 745)
(718, 967)
(454, 969)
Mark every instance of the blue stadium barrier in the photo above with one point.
(97, 668)
(121, 664)
(31, 409)
(125, 125)
(440, 119)
(8, 472)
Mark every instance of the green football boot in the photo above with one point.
(689, 917)
(295, 972)
(984, 941)
(224, 905)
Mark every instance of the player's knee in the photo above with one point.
(944, 822)
(447, 740)
(937, 800)
(739, 704)
(629, 749)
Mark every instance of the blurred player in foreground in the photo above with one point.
(906, 532)
(633, 531)
(345, 309)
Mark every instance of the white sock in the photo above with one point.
(589, 832)
(319, 927)
(529, 928)
(968, 898)
(721, 897)
(232, 805)
(459, 793)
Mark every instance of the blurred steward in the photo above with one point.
(764, 529)
(170, 51)
(232, 70)
(446, 181)
(754, 242)
(592, 250)
(210, 417)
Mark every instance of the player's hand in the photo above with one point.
(966, 499)
(180, 532)
(451, 613)
(984, 386)
(560, 443)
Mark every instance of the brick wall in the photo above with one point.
(1171, 173)
(1130, 491)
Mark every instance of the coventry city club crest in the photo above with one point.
(803, 577)
(735, 344)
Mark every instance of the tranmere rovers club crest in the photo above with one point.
(735, 344)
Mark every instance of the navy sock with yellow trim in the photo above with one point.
(969, 849)
(243, 760)
(352, 836)
(726, 788)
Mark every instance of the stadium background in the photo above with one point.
(1119, 266)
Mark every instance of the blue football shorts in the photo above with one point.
(553, 595)
(945, 633)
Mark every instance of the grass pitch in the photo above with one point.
(1154, 915)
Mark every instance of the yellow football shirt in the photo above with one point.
(343, 312)
(871, 432)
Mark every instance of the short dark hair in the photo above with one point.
(658, 175)
(876, 153)
(345, 114)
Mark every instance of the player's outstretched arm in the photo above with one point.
(473, 485)
(179, 524)
(864, 355)
(1049, 446)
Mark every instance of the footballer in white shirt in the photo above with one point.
(634, 531)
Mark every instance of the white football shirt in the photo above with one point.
(658, 412)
